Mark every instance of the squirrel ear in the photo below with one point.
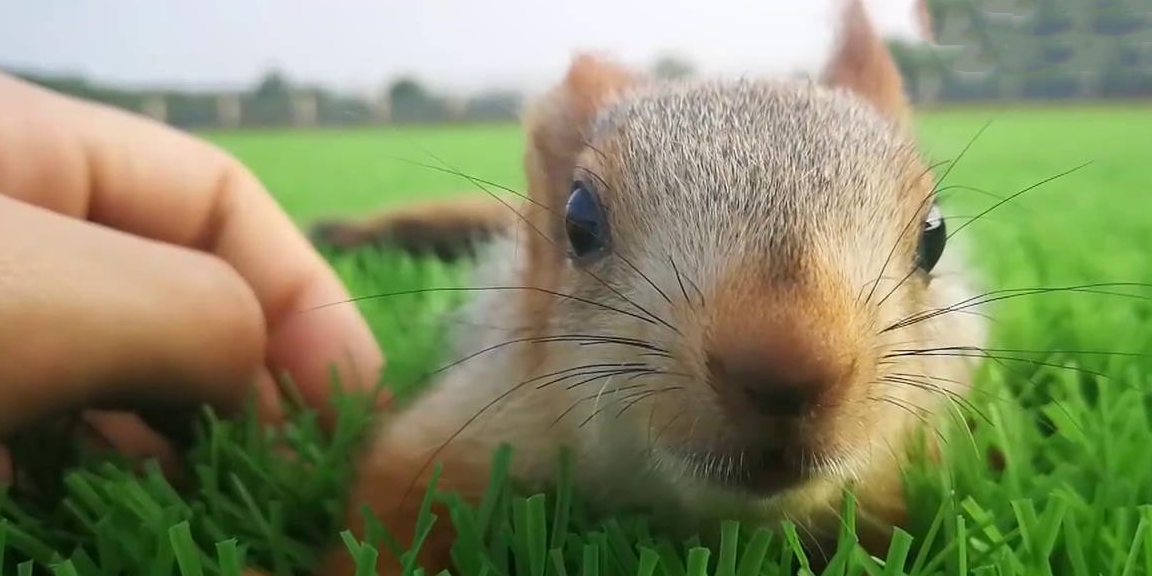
(591, 83)
(558, 120)
(557, 124)
(862, 64)
(924, 22)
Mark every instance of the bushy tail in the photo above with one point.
(446, 229)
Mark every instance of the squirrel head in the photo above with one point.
(773, 248)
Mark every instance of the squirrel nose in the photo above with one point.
(780, 374)
(781, 399)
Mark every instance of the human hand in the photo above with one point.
(141, 267)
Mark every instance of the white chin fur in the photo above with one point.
(489, 316)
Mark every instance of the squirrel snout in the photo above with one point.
(778, 373)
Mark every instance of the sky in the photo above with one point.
(359, 45)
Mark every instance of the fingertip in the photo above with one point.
(269, 405)
(129, 435)
(326, 342)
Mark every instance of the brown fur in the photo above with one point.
(556, 129)
(386, 486)
(759, 190)
(924, 20)
(862, 64)
(445, 228)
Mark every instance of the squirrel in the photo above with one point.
(713, 294)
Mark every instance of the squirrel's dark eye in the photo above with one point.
(932, 240)
(585, 224)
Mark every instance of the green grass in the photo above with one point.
(1072, 499)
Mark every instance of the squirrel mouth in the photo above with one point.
(762, 472)
(768, 472)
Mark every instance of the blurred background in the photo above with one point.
(294, 63)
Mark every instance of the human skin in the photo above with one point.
(141, 266)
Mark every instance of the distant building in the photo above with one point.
(304, 109)
(229, 111)
(382, 108)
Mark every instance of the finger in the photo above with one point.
(139, 176)
(128, 435)
(178, 423)
(90, 316)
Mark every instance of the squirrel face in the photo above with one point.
(767, 237)
(773, 248)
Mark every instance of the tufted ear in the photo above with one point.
(924, 22)
(862, 64)
(557, 124)
(557, 128)
(590, 83)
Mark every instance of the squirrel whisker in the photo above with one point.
(951, 165)
(999, 359)
(582, 339)
(481, 183)
(1012, 293)
(1019, 193)
(594, 396)
(987, 211)
(651, 393)
(561, 295)
(909, 226)
(634, 398)
(967, 388)
(951, 397)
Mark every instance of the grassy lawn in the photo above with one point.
(1065, 401)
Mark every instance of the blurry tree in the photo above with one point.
(338, 110)
(982, 49)
(1132, 78)
(407, 88)
(1053, 17)
(1013, 46)
(496, 105)
(192, 110)
(1121, 17)
(967, 67)
(1008, 34)
(669, 66)
(270, 102)
(273, 85)
(412, 102)
(1095, 52)
(1129, 70)
(1102, 37)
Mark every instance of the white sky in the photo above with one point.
(455, 44)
